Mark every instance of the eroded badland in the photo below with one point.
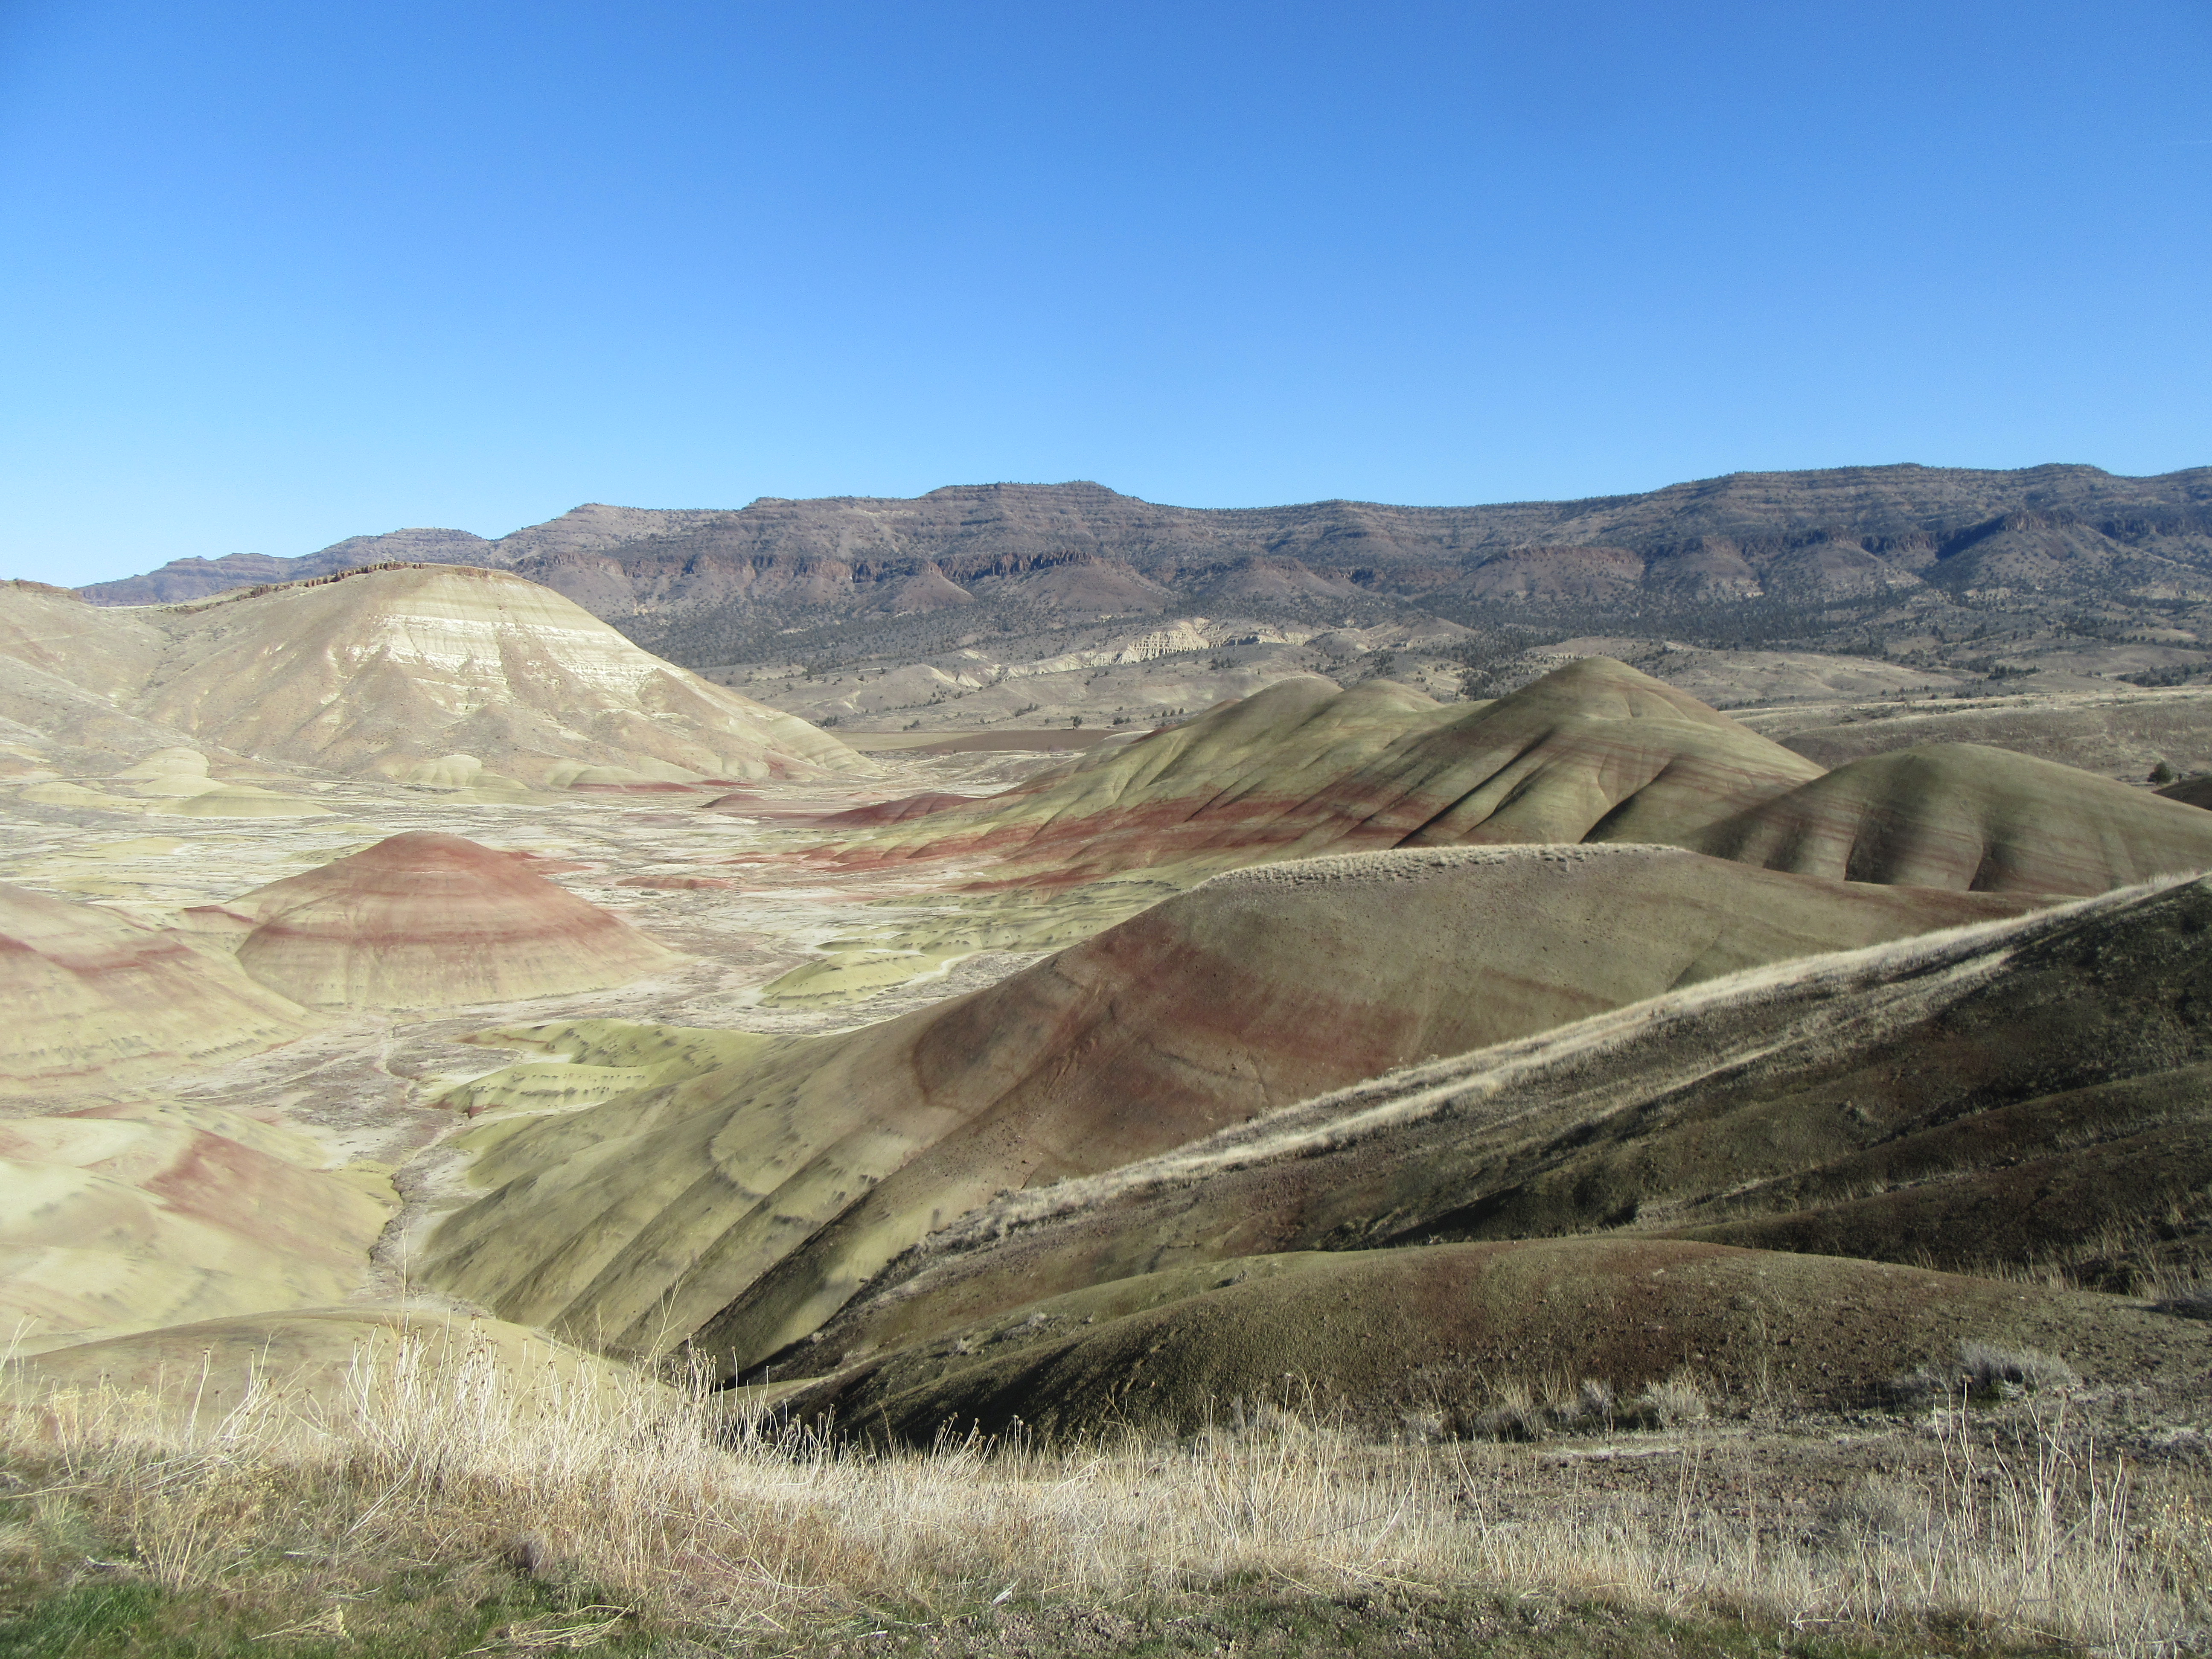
(1598, 1076)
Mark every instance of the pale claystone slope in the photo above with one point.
(420, 675)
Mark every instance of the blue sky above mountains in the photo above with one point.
(273, 274)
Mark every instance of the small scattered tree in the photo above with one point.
(2163, 773)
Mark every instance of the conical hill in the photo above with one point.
(1962, 815)
(430, 920)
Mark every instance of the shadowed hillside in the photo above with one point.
(2025, 1091)
(744, 1206)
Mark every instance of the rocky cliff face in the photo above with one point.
(1809, 556)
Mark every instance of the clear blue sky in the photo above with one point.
(273, 274)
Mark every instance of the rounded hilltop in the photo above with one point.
(425, 919)
(442, 676)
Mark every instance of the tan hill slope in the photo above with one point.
(742, 1207)
(328, 1356)
(1593, 751)
(2120, 732)
(97, 999)
(2025, 1091)
(133, 1216)
(446, 675)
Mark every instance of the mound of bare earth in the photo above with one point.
(1433, 1339)
(2121, 733)
(741, 1207)
(430, 920)
(97, 999)
(1961, 815)
(307, 1354)
(2023, 1092)
(388, 671)
(126, 1217)
(446, 677)
(1593, 750)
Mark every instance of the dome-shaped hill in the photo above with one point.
(94, 997)
(322, 1355)
(385, 670)
(440, 675)
(1961, 815)
(430, 920)
(1593, 750)
(128, 1216)
(746, 1205)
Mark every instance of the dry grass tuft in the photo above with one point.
(671, 1511)
(1987, 1366)
(1985, 1370)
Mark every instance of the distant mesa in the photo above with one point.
(180, 582)
(742, 1207)
(431, 921)
(1866, 540)
(96, 999)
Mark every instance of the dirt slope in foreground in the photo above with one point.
(745, 1206)
(1426, 1340)
(2031, 1090)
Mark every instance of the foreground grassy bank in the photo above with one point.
(464, 1507)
